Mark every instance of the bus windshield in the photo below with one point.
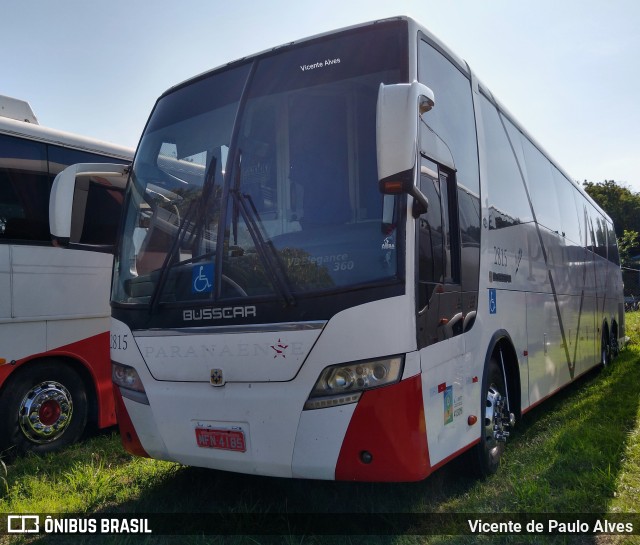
(260, 180)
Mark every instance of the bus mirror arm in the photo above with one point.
(403, 184)
(420, 202)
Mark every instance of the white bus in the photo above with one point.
(343, 259)
(55, 372)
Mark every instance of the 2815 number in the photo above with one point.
(500, 256)
(119, 342)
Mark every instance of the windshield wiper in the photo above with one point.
(264, 248)
(197, 204)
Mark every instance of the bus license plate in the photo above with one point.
(221, 439)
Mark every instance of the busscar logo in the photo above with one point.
(223, 313)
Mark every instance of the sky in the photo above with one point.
(568, 70)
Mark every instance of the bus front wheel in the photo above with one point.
(495, 422)
(43, 408)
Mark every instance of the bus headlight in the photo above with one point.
(128, 380)
(344, 383)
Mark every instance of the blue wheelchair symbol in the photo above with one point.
(493, 305)
(202, 278)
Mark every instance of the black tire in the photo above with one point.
(55, 397)
(614, 346)
(486, 454)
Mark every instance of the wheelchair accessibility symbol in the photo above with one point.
(202, 278)
(493, 306)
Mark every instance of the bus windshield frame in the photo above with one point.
(276, 158)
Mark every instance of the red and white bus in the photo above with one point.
(344, 259)
(55, 373)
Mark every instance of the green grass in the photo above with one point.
(579, 452)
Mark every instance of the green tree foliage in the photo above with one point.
(622, 204)
(628, 244)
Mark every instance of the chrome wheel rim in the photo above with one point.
(494, 423)
(45, 412)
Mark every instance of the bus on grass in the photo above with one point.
(344, 259)
(55, 372)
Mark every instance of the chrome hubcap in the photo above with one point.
(45, 412)
(496, 422)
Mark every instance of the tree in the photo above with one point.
(622, 204)
(627, 243)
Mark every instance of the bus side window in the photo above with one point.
(508, 202)
(431, 243)
(24, 190)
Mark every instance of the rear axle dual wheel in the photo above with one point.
(42, 409)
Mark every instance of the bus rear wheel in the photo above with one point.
(43, 409)
(613, 344)
(605, 347)
(495, 422)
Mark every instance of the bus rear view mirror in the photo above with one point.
(85, 206)
(399, 108)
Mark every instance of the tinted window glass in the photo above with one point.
(431, 238)
(452, 119)
(613, 254)
(591, 228)
(261, 181)
(24, 190)
(542, 187)
(600, 228)
(101, 208)
(508, 201)
(61, 158)
(566, 200)
(469, 217)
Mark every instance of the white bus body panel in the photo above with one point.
(15, 108)
(282, 439)
(318, 441)
(41, 307)
(443, 378)
(245, 356)
(46, 282)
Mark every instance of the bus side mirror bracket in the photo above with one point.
(69, 197)
(398, 111)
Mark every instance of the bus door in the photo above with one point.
(439, 299)
(440, 318)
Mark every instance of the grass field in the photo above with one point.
(579, 452)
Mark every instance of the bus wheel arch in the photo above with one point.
(499, 404)
(44, 406)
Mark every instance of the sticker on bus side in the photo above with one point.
(493, 304)
(448, 405)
